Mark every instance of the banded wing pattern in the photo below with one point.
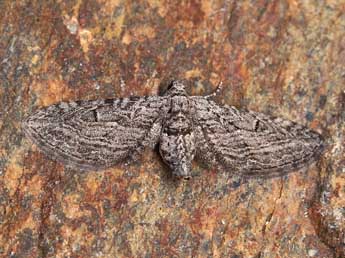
(96, 134)
(252, 143)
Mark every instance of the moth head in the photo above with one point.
(176, 88)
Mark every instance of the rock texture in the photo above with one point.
(284, 58)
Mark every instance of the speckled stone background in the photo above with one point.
(284, 58)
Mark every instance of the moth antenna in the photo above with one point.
(216, 92)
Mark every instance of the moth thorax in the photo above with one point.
(179, 104)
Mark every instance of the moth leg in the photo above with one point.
(204, 151)
(152, 137)
(149, 141)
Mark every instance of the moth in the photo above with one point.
(97, 134)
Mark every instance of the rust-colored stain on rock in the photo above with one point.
(284, 58)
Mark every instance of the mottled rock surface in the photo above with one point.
(284, 58)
